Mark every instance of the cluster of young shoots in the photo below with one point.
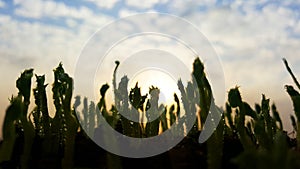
(259, 130)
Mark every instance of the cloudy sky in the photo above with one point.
(249, 37)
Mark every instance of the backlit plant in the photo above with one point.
(30, 137)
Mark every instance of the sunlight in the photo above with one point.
(158, 78)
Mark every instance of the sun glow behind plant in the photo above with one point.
(156, 78)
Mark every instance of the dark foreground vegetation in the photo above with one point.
(244, 138)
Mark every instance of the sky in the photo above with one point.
(249, 37)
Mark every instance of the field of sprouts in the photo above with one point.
(248, 136)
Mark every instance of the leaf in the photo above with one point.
(249, 111)
(294, 123)
(136, 99)
(103, 89)
(295, 96)
(291, 73)
(24, 84)
(234, 97)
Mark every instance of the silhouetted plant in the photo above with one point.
(295, 96)
(259, 130)
(65, 124)
(12, 115)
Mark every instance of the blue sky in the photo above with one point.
(250, 37)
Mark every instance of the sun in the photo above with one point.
(159, 78)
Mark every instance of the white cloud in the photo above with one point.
(38, 9)
(44, 45)
(177, 4)
(4, 19)
(2, 4)
(297, 27)
(46, 42)
(108, 4)
(145, 4)
(255, 30)
(90, 22)
(187, 7)
(71, 23)
(29, 8)
(126, 12)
